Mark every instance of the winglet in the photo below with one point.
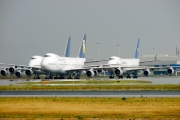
(67, 48)
(136, 54)
(82, 49)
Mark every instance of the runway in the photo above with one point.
(128, 93)
(154, 80)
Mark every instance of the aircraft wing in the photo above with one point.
(149, 61)
(143, 68)
(77, 69)
(127, 68)
(3, 68)
(16, 65)
(91, 61)
(106, 66)
(89, 66)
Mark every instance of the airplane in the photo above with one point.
(66, 66)
(123, 67)
(33, 66)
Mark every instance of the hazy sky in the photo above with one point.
(36, 27)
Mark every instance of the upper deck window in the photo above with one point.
(111, 59)
(47, 56)
(33, 58)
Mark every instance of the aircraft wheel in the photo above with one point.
(77, 77)
(69, 77)
(111, 77)
(120, 77)
(135, 76)
(62, 77)
(128, 76)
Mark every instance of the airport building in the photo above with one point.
(161, 60)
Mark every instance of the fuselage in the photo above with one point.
(35, 62)
(55, 64)
(123, 62)
(126, 64)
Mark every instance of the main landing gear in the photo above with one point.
(49, 76)
(36, 76)
(121, 76)
(111, 77)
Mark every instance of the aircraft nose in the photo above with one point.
(44, 64)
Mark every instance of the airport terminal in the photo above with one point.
(162, 60)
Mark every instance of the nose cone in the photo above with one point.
(34, 63)
(48, 63)
(44, 64)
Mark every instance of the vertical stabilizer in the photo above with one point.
(82, 49)
(136, 54)
(67, 48)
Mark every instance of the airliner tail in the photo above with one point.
(82, 50)
(136, 54)
(67, 48)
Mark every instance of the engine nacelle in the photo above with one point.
(12, 70)
(90, 73)
(99, 70)
(170, 70)
(4, 72)
(147, 72)
(29, 72)
(18, 74)
(118, 71)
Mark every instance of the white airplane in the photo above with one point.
(33, 66)
(123, 67)
(66, 66)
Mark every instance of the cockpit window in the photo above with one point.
(47, 56)
(33, 58)
(111, 59)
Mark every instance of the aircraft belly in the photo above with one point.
(39, 72)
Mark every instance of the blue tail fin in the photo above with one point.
(67, 48)
(136, 54)
(82, 50)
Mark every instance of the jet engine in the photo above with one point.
(118, 71)
(4, 72)
(29, 72)
(99, 70)
(18, 74)
(12, 70)
(170, 70)
(147, 72)
(90, 73)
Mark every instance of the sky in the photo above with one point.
(37, 27)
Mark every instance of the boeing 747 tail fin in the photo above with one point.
(67, 48)
(82, 50)
(136, 54)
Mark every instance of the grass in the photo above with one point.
(92, 87)
(94, 81)
(82, 108)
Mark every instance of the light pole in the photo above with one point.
(155, 55)
(154, 51)
(119, 50)
(99, 50)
